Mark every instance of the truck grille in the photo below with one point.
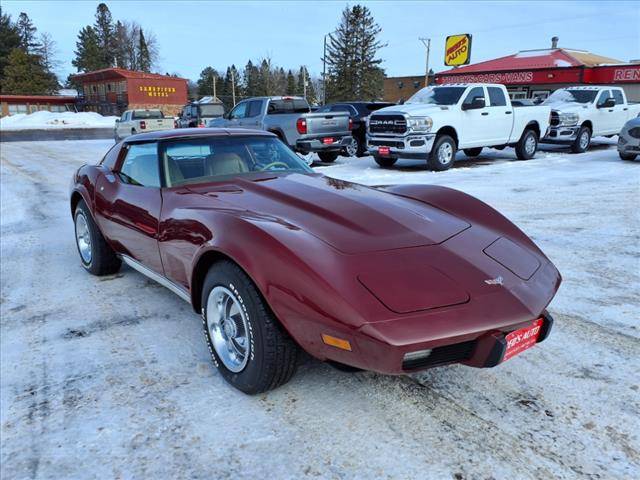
(441, 355)
(394, 124)
(555, 119)
(635, 132)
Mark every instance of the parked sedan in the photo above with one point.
(629, 140)
(358, 112)
(279, 259)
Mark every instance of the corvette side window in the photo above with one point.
(140, 166)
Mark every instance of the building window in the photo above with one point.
(17, 108)
(94, 89)
(416, 84)
(400, 84)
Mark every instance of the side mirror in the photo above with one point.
(608, 103)
(475, 104)
(117, 120)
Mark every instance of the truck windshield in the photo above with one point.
(212, 110)
(146, 114)
(214, 158)
(288, 105)
(438, 95)
(571, 96)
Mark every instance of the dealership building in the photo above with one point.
(111, 91)
(537, 73)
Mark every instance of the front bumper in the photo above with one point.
(413, 145)
(628, 144)
(561, 134)
(316, 144)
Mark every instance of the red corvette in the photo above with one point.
(278, 258)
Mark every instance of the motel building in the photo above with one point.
(535, 74)
(111, 91)
(65, 101)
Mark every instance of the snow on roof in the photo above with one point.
(535, 59)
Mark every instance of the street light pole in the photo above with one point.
(427, 43)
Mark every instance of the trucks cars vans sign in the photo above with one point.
(457, 50)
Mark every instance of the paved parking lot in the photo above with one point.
(110, 377)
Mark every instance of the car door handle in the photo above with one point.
(485, 113)
(611, 110)
(625, 109)
(508, 113)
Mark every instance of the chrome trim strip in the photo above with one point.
(165, 282)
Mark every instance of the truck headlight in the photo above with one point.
(420, 124)
(568, 119)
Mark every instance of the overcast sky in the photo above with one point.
(193, 35)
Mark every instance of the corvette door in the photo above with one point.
(128, 203)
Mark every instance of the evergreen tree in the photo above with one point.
(120, 40)
(27, 32)
(88, 55)
(9, 39)
(227, 88)
(25, 75)
(251, 80)
(105, 32)
(354, 72)
(205, 82)
(264, 78)
(303, 76)
(291, 85)
(144, 57)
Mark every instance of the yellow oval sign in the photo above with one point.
(457, 50)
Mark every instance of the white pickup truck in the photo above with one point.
(579, 113)
(437, 121)
(138, 121)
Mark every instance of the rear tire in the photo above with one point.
(270, 355)
(627, 156)
(443, 153)
(583, 140)
(328, 157)
(96, 255)
(527, 145)
(385, 162)
(472, 152)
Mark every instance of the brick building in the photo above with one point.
(111, 91)
(398, 89)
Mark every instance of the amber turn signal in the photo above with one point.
(336, 342)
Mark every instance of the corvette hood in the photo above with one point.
(351, 218)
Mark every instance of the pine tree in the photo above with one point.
(120, 40)
(291, 85)
(105, 31)
(205, 82)
(227, 88)
(354, 72)
(9, 39)
(25, 75)
(264, 78)
(27, 32)
(303, 76)
(144, 58)
(88, 55)
(251, 79)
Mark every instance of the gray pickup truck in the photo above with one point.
(290, 118)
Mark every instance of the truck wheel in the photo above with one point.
(443, 153)
(582, 141)
(627, 156)
(527, 145)
(385, 162)
(472, 152)
(353, 149)
(96, 256)
(247, 345)
(328, 157)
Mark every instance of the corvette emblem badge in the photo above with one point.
(494, 281)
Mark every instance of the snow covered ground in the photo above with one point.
(55, 120)
(110, 377)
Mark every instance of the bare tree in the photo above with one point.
(48, 51)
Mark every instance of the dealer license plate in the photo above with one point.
(521, 340)
(327, 141)
(384, 150)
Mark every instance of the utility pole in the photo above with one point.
(233, 87)
(304, 81)
(214, 87)
(427, 44)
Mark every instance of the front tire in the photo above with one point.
(328, 157)
(627, 156)
(385, 162)
(527, 145)
(96, 256)
(472, 152)
(247, 344)
(443, 153)
(583, 140)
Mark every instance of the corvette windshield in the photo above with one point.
(438, 95)
(208, 159)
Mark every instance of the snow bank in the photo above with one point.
(55, 120)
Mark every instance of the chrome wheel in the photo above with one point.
(445, 153)
(352, 148)
(83, 238)
(584, 140)
(228, 328)
(530, 145)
